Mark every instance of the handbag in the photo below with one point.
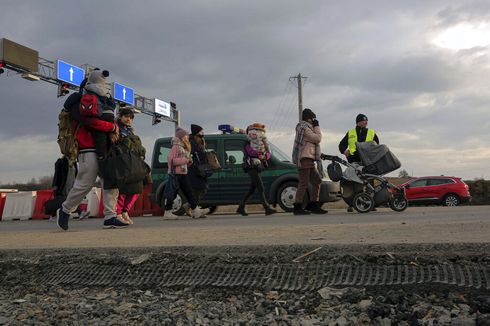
(122, 166)
(204, 170)
(171, 186)
(212, 160)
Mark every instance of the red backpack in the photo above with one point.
(90, 105)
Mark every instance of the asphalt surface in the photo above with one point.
(415, 225)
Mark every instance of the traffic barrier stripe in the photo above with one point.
(3, 196)
(41, 198)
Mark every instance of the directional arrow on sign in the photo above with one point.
(69, 73)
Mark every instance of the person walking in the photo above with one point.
(179, 159)
(306, 156)
(88, 169)
(128, 194)
(197, 176)
(256, 157)
(361, 133)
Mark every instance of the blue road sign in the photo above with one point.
(69, 73)
(123, 93)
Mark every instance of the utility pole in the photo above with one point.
(300, 93)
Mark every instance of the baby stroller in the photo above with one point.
(363, 186)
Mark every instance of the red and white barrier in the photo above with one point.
(42, 196)
(3, 196)
(19, 206)
(94, 198)
(30, 204)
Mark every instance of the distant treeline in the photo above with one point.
(480, 191)
(41, 183)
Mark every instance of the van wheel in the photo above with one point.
(286, 195)
(177, 207)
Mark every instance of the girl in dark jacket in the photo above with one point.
(128, 194)
(256, 155)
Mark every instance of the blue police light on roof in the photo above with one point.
(229, 129)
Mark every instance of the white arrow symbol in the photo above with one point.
(71, 73)
(124, 93)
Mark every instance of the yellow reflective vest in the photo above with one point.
(352, 139)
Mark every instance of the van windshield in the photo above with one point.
(280, 155)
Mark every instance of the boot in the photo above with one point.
(197, 213)
(349, 209)
(269, 210)
(241, 210)
(314, 207)
(298, 209)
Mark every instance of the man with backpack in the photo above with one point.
(88, 168)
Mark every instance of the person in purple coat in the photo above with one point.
(256, 155)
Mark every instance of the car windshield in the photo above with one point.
(280, 155)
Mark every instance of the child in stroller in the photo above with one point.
(363, 186)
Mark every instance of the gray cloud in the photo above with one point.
(229, 62)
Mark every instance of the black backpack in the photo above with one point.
(334, 171)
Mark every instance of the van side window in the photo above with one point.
(162, 154)
(234, 152)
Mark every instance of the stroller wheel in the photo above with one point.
(398, 204)
(363, 203)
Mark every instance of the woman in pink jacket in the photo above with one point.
(179, 159)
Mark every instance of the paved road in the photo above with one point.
(416, 225)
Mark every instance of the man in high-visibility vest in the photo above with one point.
(361, 133)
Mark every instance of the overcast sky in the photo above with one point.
(418, 69)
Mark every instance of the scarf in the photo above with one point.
(299, 144)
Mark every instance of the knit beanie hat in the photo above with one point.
(96, 82)
(361, 117)
(126, 111)
(195, 129)
(180, 133)
(307, 114)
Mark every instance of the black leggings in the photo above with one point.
(185, 187)
(255, 184)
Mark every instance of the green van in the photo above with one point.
(229, 185)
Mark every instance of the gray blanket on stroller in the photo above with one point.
(377, 157)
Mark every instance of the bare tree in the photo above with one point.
(403, 174)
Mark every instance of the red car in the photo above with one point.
(448, 191)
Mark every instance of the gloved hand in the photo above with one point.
(315, 123)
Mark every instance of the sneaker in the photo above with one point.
(169, 215)
(204, 212)
(114, 223)
(197, 213)
(126, 218)
(83, 215)
(62, 219)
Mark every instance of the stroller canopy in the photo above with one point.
(377, 159)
